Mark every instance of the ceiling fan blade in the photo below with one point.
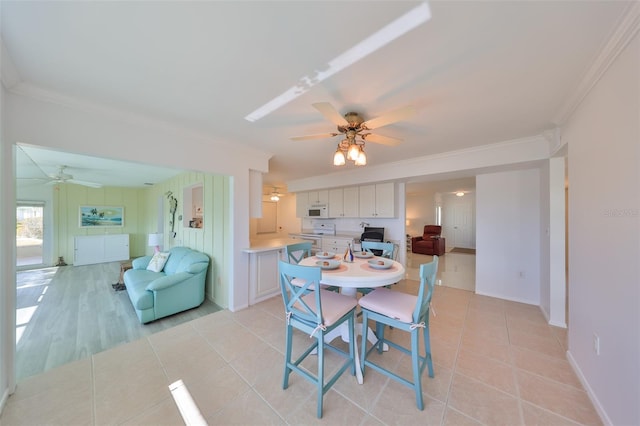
(389, 118)
(330, 113)
(84, 183)
(383, 140)
(318, 136)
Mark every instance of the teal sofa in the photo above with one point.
(178, 287)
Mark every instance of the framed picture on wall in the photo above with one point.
(101, 216)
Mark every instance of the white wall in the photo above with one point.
(603, 137)
(508, 235)
(421, 209)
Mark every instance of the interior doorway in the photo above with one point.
(29, 235)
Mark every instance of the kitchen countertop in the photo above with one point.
(269, 245)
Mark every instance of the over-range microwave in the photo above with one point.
(318, 211)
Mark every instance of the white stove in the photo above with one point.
(315, 235)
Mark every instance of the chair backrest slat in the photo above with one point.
(388, 249)
(292, 294)
(297, 252)
(428, 272)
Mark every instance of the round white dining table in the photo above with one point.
(350, 276)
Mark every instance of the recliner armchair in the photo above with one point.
(430, 242)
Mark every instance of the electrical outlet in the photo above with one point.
(596, 344)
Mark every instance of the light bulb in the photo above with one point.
(338, 158)
(274, 197)
(354, 151)
(362, 158)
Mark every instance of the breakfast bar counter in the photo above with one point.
(263, 267)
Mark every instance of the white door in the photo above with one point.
(458, 224)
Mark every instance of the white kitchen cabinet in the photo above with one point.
(343, 202)
(302, 201)
(91, 249)
(318, 197)
(377, 200)
(336, 245)
(263, 274)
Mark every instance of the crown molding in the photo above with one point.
(624, 32)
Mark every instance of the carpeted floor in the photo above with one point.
(463, 250)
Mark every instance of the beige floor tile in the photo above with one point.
(337, 410)
(485, 346)
(551, 368)
(74, 406)
(397, 406)
(547, 345)
(436, 387)
(72, 376)
(365, 395)
(231, 341)
(536, 416)
(486, 370)
(483, 403)
(253, 364)
(246, 409)
(455, 418)
(558, 398)
(215, 390)
(164, 413)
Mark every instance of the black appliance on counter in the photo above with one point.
(371, 233)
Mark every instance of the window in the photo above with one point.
(29, 233)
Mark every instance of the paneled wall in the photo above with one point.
(141, 218)
(214, 238)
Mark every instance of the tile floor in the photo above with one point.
(496, 363)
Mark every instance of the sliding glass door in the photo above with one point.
(29, 234)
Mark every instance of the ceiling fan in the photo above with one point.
(356, 131)
(62, 177)
(275, 195)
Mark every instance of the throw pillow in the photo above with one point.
(157, 261)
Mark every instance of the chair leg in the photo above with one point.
(287, 356)
(380, 336)
(352, 345)
(320, 383)
(415, 366)
(365, 332)
(427, 350)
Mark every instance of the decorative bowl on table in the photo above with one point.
(328, 264)
(381, 263)
(325, 255)
(363, 254)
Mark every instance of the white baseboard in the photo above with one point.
(596, 403)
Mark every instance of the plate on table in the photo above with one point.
(325, 255)
(328, 264)
(381, 263)
(363, 254)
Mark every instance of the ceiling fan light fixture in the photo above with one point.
(275, 197)
(362, 158)
(353, 152)
(338, 157)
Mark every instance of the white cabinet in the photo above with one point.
(336, 245)
(302, 200)
(263, 274)
(377, 200)
(318, 197)
(92, 249)
(305, 199)
(343, 202)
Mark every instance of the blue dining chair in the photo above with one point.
(404, 312)
(387, 250)
(315, 313)
(298, 251)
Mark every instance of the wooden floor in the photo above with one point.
(71, 312)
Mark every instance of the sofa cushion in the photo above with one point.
(157, 262)
(137, 281)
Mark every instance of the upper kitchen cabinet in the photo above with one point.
(318, 197)
(377, 200)
(343, 202)
(302, 200)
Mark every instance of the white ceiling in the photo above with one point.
(477, 72)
